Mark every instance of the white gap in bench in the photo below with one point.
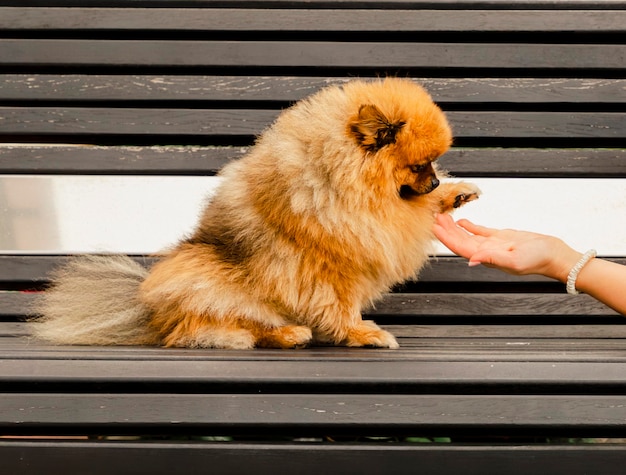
(144, 214)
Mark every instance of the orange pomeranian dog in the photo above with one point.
(332, 206)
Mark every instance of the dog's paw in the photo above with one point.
(455, 195)
(288, 336)
(368, 334)
(465, 197)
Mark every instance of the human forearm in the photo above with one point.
(599, 278)
(605, 281)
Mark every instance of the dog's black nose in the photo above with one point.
(434, 182)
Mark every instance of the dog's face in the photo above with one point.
(405, 141)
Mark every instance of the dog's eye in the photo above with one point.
(418, 168)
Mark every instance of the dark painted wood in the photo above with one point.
(327, 54)
(484, 356)
(510, 331)
(306, 458)
(484, 366)
(530, 162)
(250, 19)
(34, 268)
(446, 352)
(440, 304)
(81, 160)
(75, 87)
(382, 4)
(521, 304)
(312, 413)
(250, 122)
(196, 160)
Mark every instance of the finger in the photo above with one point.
(454, 238)
(445, 220)
(475, 228)
(502, 259)
(450, 226)
(446, 229)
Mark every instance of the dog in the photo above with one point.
(331, 207)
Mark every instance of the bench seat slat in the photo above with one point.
(292, 54)
(442, 350)
(342, 370)
(551, 344)
(377, 413)
(163, 458)
(512, 332)
(429, 304)
(345, 4)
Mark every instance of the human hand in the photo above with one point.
(515, 252)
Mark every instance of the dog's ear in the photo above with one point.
(372, 130)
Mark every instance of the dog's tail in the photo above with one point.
(94, 300)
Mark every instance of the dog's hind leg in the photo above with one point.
(285, 337)
(232, 332)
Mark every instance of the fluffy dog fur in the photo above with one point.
(332, 206)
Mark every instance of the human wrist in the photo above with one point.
(572, 277)
(563, 259)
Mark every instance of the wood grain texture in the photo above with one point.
(381, 4)
(312, 413)
(76, 87)
(522, 304)
(357, 20)
(251, 122)
(199, 160)
(441, 350)
(327, 54)
(148, 160)
(35, 268)
(446, 367)
(96, 87)
(531, 162)
(515, 334)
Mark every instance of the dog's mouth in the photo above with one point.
(406, 192)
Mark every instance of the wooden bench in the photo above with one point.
(495, 374)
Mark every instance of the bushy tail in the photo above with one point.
(94, 300)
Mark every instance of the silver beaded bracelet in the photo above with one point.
(573, 274)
